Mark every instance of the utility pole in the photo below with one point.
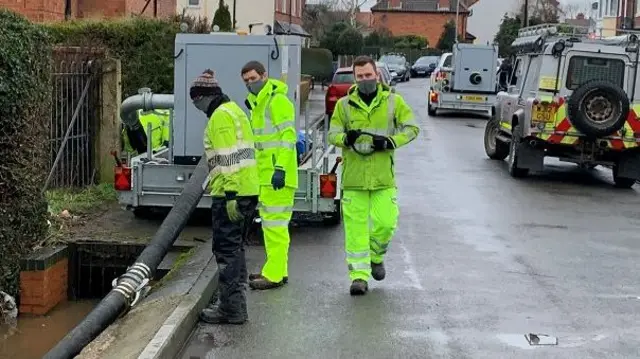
(525, 14)
(457, 16)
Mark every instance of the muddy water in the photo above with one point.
(34, 336)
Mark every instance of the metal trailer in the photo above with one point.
(156, 179)
(465, 81)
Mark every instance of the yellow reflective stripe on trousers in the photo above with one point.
(357, 254)
(355, 266)
(275, 209)
(275, 223)
(381, 247)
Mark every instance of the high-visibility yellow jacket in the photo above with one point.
(387, 115)
(159, 137)
(229, 147)
(273, 120)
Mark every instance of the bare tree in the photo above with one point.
(546, 11)
(319, 17)
(352, 7)
(571, 10)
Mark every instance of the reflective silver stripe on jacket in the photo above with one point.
(233, 159)
(269, 127)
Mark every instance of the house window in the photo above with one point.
(613, 8)
(194, 2)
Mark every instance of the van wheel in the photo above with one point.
(493, 147)
(622, 182)
(514, 170)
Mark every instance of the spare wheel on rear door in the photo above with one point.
(598, 108)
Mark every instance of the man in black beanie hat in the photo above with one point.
(233, 185)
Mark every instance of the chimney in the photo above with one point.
(580, 16)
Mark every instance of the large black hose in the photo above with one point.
(120, 298)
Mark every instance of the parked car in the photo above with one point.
(424, 66)
(342, 80)
(398, 64)
(386, 75)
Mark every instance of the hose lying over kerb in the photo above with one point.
(127, 290)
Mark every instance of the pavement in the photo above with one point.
(479, 260)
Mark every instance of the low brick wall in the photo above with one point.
(44, 280)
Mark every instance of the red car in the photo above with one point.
(342, 81)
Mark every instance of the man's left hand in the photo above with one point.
(381, 143)
(277, 180)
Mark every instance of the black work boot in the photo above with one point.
(377, 271)
(262, 283)
(216, 316)
(254, 276)
(359, 287)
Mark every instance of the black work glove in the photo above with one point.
(381, 143)
(352, 136)
(277, 180)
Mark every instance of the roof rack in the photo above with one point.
(574, 31)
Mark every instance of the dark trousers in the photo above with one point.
(228, 250)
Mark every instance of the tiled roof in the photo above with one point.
(413, 6)
(407, 5)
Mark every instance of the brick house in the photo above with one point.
(421, 17)
(278, 13)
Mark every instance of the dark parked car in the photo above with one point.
(398, 64)
(424, 66)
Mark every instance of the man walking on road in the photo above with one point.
(273, 123)
(369, 124)
(233, 184)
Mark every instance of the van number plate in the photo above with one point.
(473, 98)
(543, 113)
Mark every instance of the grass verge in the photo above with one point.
(69, 207)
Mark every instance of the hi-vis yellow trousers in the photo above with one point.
(276, 209)
(370, 220)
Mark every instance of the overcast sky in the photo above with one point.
(582, 3)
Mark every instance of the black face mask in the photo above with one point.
(216, 101)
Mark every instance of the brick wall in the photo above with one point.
(281, 8)
(429, 25)
(39, 10)
(53, 10)
(43, 280)
(166, 8)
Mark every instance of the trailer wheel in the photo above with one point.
(144, 213)
(334, 218)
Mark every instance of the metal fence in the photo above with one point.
(75, 114)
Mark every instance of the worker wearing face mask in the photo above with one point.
(273, 123)
(372, 117)
(229, 148)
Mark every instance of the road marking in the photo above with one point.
(410, 270)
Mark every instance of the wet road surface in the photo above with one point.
(478, 261)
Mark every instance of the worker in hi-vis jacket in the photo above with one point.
(369, 124)
(273, 123)
(233, 185)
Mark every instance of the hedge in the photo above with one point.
(144, 46)
(318, 63)
(25, 98)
